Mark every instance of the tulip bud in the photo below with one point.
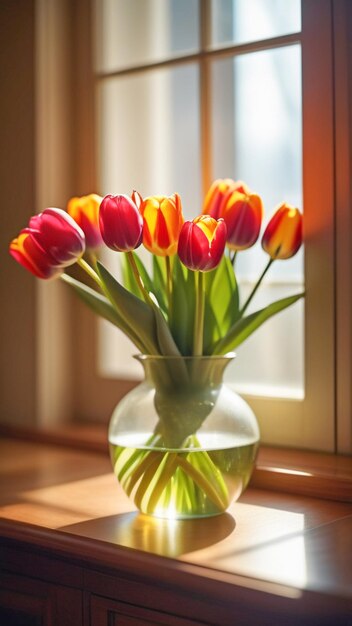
(121, 224)
(243, 213)
(217, 197)
(163, 219)
(51, 242)
(85, 211)
(202, 242)
(283, 235)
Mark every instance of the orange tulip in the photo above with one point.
(217, 196)
(283, 235)
(243, 213)
(85, 211)
(162, 222)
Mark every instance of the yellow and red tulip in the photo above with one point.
(121, 224)
(51, 242)
(202, 242)
(242, 211)
(283, 235)
(162, 222)
(217, 196)
(85, 211)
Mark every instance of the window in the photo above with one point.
(236, 69)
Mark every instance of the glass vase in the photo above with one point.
(182, 443)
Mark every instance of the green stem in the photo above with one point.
(91, 273)
(93, 258)
(168, 284)
(138, 278)
(202, 482)
(251, 295)
(199, 316)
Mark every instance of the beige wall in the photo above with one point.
(17, 167)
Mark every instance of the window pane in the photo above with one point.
(240, 21)
(257, 137)
(149, 141)
(134, 32)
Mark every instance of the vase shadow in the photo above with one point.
(171, 538)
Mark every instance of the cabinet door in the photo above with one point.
(106, 612)
(29, 602)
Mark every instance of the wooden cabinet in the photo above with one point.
(31, 602)
(105, 612)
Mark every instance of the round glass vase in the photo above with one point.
(182, 443)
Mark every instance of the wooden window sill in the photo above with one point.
(273, 556)
(315, 474)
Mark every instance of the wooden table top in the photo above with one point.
(70, 499)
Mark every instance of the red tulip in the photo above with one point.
(121, 223)
(243, 213)
(201, 243)
(217, 196)
(283, 235)
(51, 242)
(85, 211)
(163, 219)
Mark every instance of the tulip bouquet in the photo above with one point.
(187, 303)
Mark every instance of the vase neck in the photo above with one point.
(184, 372)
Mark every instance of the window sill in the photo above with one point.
(314, 474)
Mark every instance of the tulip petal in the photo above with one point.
(283, 235)
(193, 246)
(85, 211)
(26, 251)
(121, 224)
(217, 244)
(56, 232)
(161, 234)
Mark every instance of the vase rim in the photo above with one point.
(174, 357)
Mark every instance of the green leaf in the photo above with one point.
(138, 315)
(183, 307)
(101, 306)
(166, 341)
(247, 325)
(221, 302)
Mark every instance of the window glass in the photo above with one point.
(257, 137)
(149, 141)
(136, 32)
(243, 21)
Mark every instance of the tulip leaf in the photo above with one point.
(182, 307)
(221, 302)
(166, 341)
(247, 325)
(136, 313)
(102, 307)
